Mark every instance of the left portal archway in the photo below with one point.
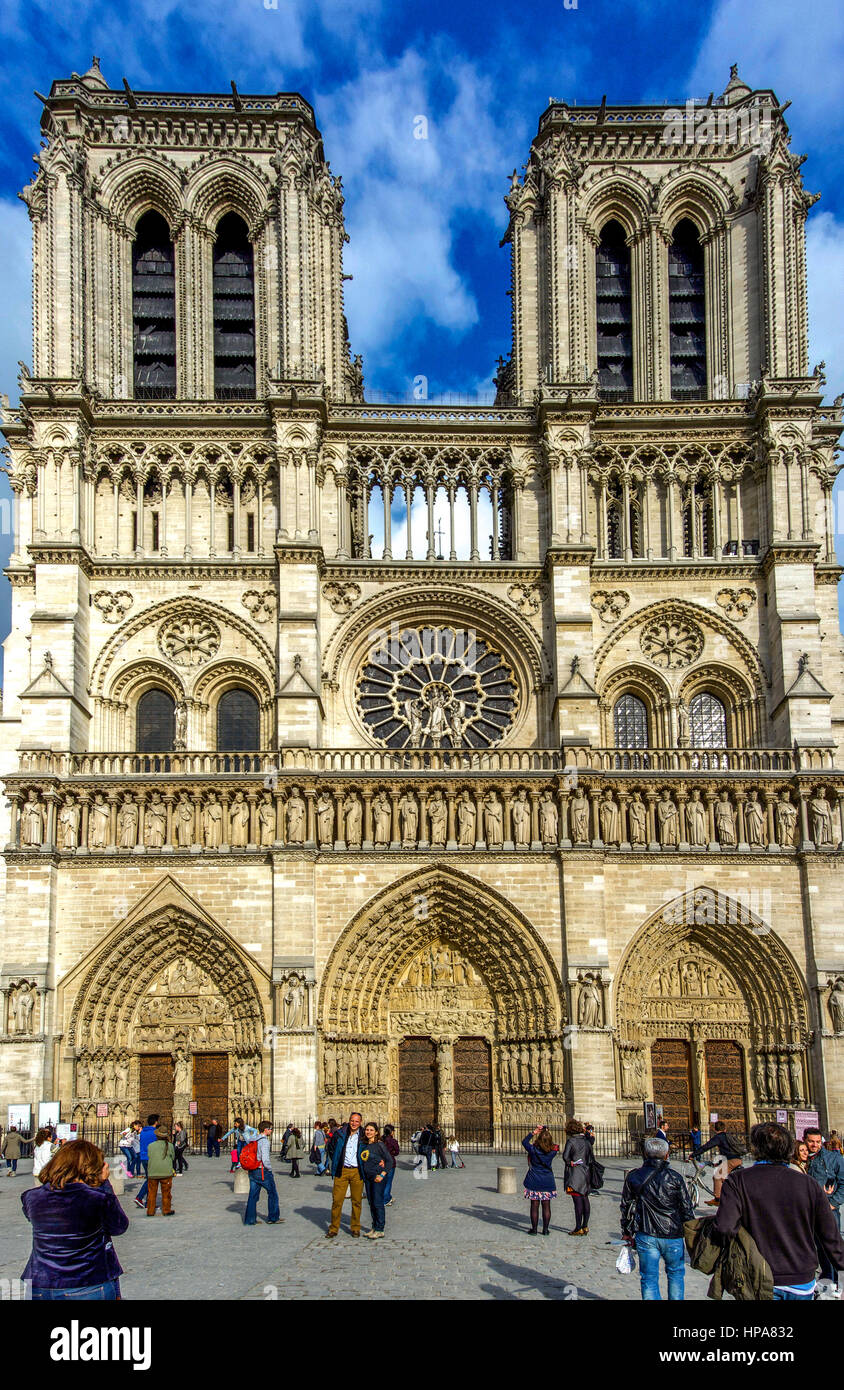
(168, 1007)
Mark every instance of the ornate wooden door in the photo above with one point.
(725, 1094)
(155, 1092)
(672, 1078)
(473, 1089)
(211, 1087)
(417, 1085)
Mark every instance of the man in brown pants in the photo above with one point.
(345, 1170)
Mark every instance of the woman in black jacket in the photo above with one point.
(578, 1158)
(374, 1164)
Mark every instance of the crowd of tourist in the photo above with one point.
(775, 1233)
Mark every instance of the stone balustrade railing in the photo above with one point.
(569, 759)
(111, 803)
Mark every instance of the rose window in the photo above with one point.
(189, 641)
(436, 687)
(670, 645)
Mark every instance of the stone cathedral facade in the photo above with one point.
(539, 815)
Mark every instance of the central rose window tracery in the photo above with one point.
(436, 687)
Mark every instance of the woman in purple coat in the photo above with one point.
(540, 1184)
(74, 1213)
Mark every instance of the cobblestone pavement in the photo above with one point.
(450, 1236)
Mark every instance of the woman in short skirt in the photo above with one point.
(540, 1185)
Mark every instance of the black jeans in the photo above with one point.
(181, 1161)
(213, 1148)
(427, 1153)
(294, 1168)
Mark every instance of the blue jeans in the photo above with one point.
(12, 1163)
(651, 1250)
(257, 1184)
(213, 1148)
(375, 1197)
(800, 1297)
(129, 1156)
(387, 1184)
(107, 1293)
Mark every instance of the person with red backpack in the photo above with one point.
(255, 1160)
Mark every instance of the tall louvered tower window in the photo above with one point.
(234, 311)
(686, 314)
(614, 315)
(154, 309)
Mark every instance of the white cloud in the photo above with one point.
(825, 261)
(780, 46)
(412, 178)
(15, 294)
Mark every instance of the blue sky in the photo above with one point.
(425, 217)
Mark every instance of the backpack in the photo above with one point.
(249, 1156)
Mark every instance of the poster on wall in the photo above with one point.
(48, 1113)
(649, 1114)
(803, 1120)
(21, 1117)
(102, 1110)
(782, 1117)
(67, 1131)
(192, 1107)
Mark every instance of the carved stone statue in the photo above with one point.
(549, 819)
(796, 1072)
(21, 1005)
(579, 813)
(589, 1003)
(83, 1076)
(382, 812)
(181, 733)
(466, 818)
(637, 816)
(771, 1075)
(295, 815)
(786, 820)
(409, 817)
(325, 819)
(98, 823)
(32, 821)
(835, 1003)
(127, 824)
(182, 1080)
(155, 826)
(506, 1070)
(759, 1077)
(524, 1068)
(438, 814)
(754, 819)
(184, 819)
(212, 823)
(667, 819)
(294, 1002)
(630, 1073)
(682, 723)
(69, 825)
(520, 812)
(725, 821)
(330, 1069)
(696, 819)
(266, 820)
(609, 820)
(493, 821)
(557, 1068)
(353, 812)
(821, 813)
(121, 1076)
(783, 1076)
(239, 822)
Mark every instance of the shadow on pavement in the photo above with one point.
(550, 1286)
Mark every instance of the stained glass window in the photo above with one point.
(707, 722)
(156, 722)
(686, 314)
(613, 313)
(630, 719)
(238, 722)
(234, 311)
(154, 309)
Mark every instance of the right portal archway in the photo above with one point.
(711, 1016)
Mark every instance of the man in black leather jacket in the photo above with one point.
(654, 1204)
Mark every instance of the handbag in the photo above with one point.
(626, 1262)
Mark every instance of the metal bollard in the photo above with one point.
(241, 1181)
(506, 1180)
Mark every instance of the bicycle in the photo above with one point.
(698, 1181)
